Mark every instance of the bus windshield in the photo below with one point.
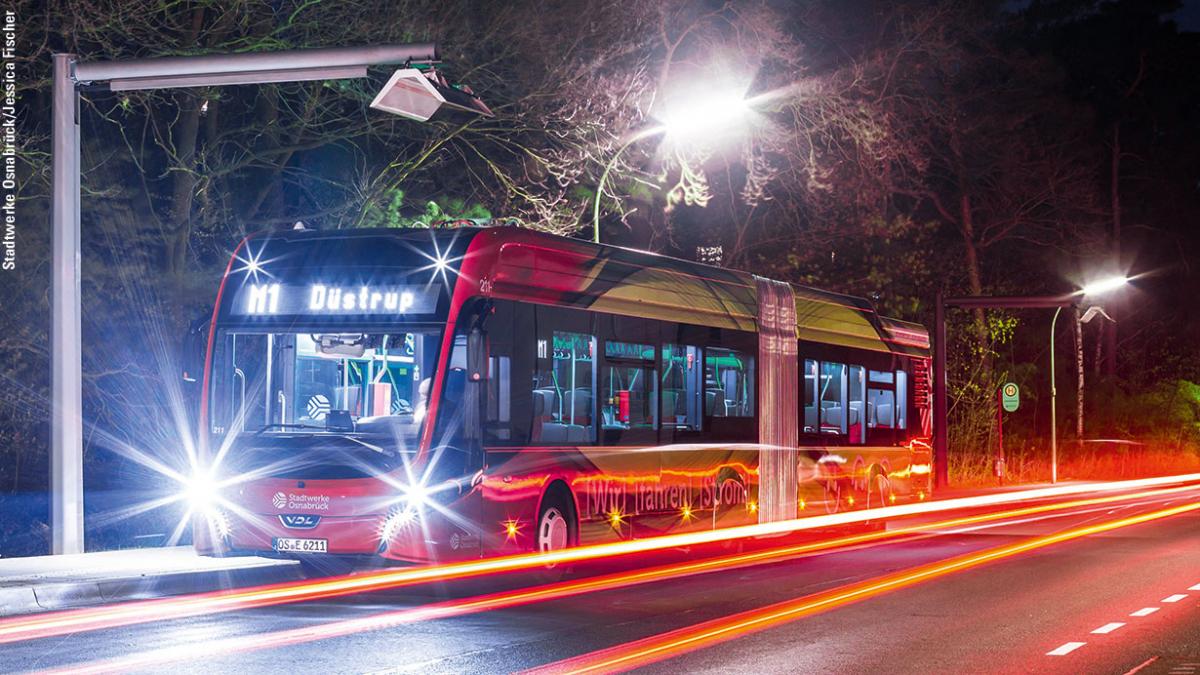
(324, 383)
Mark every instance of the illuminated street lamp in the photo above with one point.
(1092, 289)
(940, 398)
(700, 116)
(1102, 286)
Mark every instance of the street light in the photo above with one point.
(1102, 286)
(941, 441)
(692, 117)
(1098, 287)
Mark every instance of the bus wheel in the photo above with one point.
(833, 495)
(879, 490)
(555, 530)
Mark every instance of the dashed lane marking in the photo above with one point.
(1145, 611)
(1065, 649)
(1194, 588)
(1174, 598)
(1108, 628)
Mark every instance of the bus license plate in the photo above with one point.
(289, 545)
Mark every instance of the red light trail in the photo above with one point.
(561, 590)
(674, 643)
(58, 623)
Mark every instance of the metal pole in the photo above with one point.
(1079, 374)
(66, 399)
(940, 438)
(1000, 434)
(650, 131)
(213, 64)
(1053, 395)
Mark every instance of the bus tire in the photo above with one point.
(879, 489)
(557, 526)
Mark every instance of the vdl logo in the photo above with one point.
(279, 500)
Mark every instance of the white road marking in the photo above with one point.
(1194, 588)
(1145, 611)
(1065, 649)
(1174, 598)
(1108, 628)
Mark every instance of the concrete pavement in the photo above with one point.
(43, 583)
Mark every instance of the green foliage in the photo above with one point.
(432, 213)
(1168, 412)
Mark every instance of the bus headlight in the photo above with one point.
(409, 508)
(200, 492)
(397, 519)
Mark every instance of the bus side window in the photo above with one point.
(901, 399)
(857, 409)
(728, 383)
(682, 387)
(833, 387)
(809, 382)
(629, 393)
(507, 405)
(564, 388)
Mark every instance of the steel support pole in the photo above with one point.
(941, 442)
(66, 399)
(1053, 396)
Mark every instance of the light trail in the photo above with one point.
(130, 613)
(560, 590)
(674, 643)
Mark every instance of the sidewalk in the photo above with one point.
(46, 583)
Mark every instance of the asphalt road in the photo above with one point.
(1003, 616)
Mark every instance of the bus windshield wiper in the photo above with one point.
(281, 425)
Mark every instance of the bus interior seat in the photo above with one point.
(729, 384)
(810, 418)
(883, 415)
(831, 417)
(714, 402)
(670, 403)
(543, 403)
(555, 432)
(577, 406)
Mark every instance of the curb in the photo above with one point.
(48, 597)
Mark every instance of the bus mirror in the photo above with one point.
(476, 356)
(195, 343)
(353, 345)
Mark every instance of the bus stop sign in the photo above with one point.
(1010, 397)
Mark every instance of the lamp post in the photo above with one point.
(940, 403)
(1095, 288)
(707, 114)
(1053, 403)
(66, 426)
(644, 133)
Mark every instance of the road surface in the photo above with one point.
(1023, 613)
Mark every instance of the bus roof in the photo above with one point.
(523, 264)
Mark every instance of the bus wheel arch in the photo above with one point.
(878, 486)
(557, 501)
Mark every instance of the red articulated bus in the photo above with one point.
(431, 395)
